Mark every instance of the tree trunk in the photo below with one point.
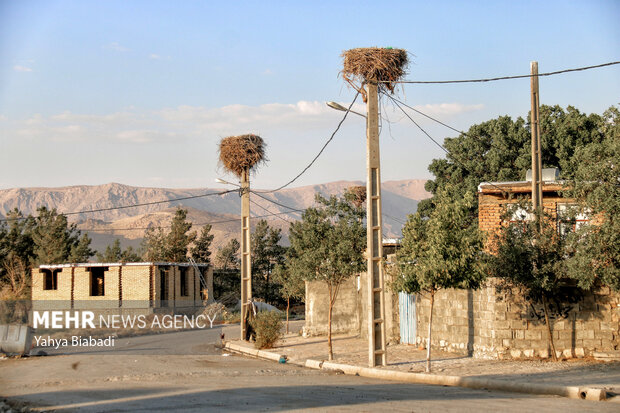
(430, 325)
(329, 325)
(288, 305)
(544, 300)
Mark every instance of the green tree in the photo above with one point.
(80, 250)
(327, 245)
(530, 255)
(169, 246)
(154, 244)
(53, 238)
(227, 257)
(595, 249)
(201, 251)
(292, 286)
(500, 150)
(266, 253)
(178, 239)
(112, 252)
(440, 251)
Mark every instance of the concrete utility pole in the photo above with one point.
(246, 266)
(536, 150)
(376, 312)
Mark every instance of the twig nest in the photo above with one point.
(357, 195)
(242, 153)
(374, 64)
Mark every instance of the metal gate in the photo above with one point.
(408, 322)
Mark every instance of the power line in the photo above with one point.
(424, 114)
(198, 224)
(493, 79)
(320, 152)
(277, 203)
(270, 213)
(441, 146)
(91, 211)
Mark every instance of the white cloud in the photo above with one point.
(20, 68)
(171, 125)
(447, 109)
(267, 72)
(154, 56)
(116, 46)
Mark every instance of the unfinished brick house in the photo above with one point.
(488, 323)
(145, 287)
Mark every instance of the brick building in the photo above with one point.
(144, 287)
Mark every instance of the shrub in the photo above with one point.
(268, 328)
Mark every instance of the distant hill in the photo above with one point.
(128, 224)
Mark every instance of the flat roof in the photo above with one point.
(507, 185)
(123, 264)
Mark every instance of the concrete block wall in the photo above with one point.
(81, 289)
(486, 323)
(63, 292)
(345, 317)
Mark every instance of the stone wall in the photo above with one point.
(492, 324)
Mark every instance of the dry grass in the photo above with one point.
(374, 64)
(239, 154)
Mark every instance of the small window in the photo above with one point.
(97, 281)
(571, 218)
(520, 214)
(184, 283)
(50, 279)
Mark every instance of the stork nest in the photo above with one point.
(374, 64)
(239, 154)
(357, 195)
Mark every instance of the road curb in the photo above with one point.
(573, 392)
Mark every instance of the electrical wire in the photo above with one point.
(276, 202)
(91, 211)
(199, 224)
(493, 79)
(270, 213)
(441, 146)
(425, 115)
(320, 152)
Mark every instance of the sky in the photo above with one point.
(141, 92)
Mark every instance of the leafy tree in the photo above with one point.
(595, 249)
(500, 150)
(266, 252)
(292, 286)
(440, 251)
(201, 250)
(227, 257)
(16, 237)
(327, 245)
(530, 255)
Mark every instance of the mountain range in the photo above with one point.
(114, 216)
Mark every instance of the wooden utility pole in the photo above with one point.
(246, 266)
(376, 312)
(536, 151)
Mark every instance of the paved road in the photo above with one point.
(186, 372)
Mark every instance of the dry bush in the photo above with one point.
(242, 153)
(16, 283)
(374, 64)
